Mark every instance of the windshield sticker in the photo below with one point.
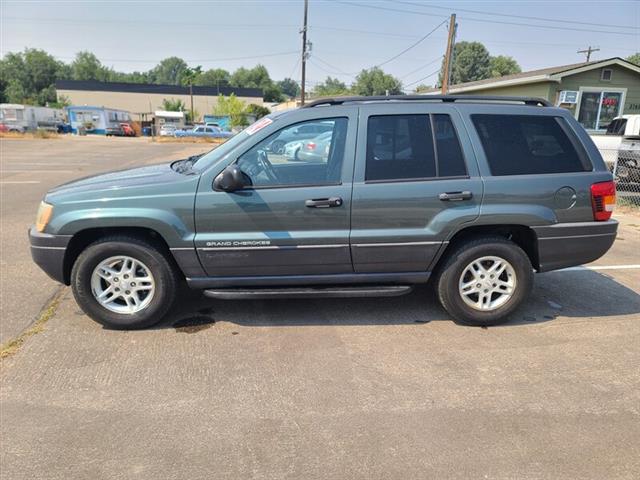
(259, 125)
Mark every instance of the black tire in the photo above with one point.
(277, 147)
(448, 278)
(164, 275)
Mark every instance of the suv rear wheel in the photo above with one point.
(123, 283)
(484, 280)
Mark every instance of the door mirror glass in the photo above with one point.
(231, 179)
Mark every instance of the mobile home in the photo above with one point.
(22, 118)
(96, 120)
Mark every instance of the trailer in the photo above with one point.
(96, 120)
(24, 118)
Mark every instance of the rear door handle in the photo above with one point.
(324, 202)
(455, 196)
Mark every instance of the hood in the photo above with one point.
(121, 180)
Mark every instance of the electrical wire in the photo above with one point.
(423, 38)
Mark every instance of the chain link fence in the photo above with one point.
(625, 166)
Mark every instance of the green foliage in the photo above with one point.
(190, 75)
(257, 111)
(471, 61)
(375, 82)
(635, 58)
(86, 66)
(169, 71)
(257, 77)
(232, 107)
(14, 92)
(173, 105)
(289, 87)
(502, 65)
(331, 86)
(61, 102)
(215, 77)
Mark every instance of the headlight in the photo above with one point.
(45, 210)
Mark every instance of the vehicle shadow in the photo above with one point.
(572, 294)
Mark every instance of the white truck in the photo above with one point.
(620, 147)
(23, 118)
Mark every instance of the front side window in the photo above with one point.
(599, 108)
(527, 144)
(412, 147)
(307, 153)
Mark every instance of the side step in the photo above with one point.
(308, 292)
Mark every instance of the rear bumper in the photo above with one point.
(569, 244)
(48, 252)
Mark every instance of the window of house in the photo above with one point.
(598, 108)
(412, 147)
(527, 144)
(309, 153)
(606, 74)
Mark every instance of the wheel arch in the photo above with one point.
(86, 237)
(521, 235)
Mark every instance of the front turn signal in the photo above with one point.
(45, 210)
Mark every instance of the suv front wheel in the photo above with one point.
(484, 280)
(123, 283)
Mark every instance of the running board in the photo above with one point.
(308, 292)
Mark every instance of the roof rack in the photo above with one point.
(532, 101)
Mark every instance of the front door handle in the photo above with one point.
(455, 196)
(324, 202)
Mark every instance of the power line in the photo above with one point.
(439, 59)
(495, 14)
(551, 27)
(412, 45)
(335, 68)
(423, 78)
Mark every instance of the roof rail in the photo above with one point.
(532, 101)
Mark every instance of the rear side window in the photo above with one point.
(410, 147)
(527, 144)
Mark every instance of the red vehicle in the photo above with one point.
(122, 130)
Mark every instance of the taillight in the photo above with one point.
(603, 199)
(310, 146)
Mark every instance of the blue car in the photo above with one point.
(204, 131)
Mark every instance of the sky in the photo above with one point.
(346, 35)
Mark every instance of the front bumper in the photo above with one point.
(48, 252)
(569, 244)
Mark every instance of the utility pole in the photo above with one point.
(304, 52)
(446, 74)
(588, 52)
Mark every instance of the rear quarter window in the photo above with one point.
(529, 144)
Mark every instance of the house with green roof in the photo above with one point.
(596, 92)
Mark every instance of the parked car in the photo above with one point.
(168, 130)
(121, 130)
(620, 129)
(315, 150)
(290, 150)
(203, 131)
(300, 133)
(473, 192)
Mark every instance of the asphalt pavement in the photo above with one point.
(314, 389)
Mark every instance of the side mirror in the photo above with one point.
(230, 179)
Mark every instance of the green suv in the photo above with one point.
(474, 193)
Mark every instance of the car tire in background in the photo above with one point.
(484, 280)
(124, 282)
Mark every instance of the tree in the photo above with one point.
(169, 71)
(86, 66)
(257, 111)
(215, 77)
(331, 86)
(635, 58)
(61, 102)
(233, 108)
(471, 61)
(289, 87)
(257, 77)
(173, 105)
(502, 65)
(375, 82)
(14, 92)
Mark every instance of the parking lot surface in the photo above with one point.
(346, 388)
